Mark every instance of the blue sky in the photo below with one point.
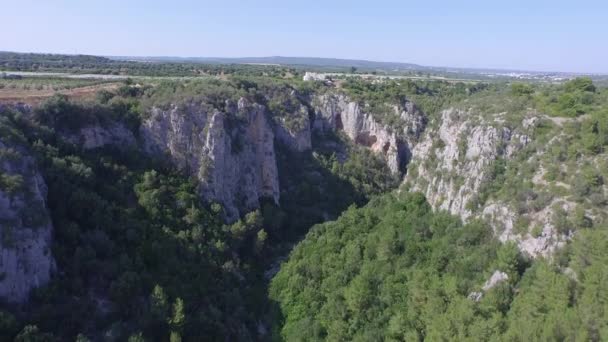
(535, 35)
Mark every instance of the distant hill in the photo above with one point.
(341, 65)
(279, 60)
(189, 66)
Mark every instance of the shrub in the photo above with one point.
(580, 84)
(521, 89)
(11, 183)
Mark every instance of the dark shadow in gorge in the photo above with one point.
(313, 190)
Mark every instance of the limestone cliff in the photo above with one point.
(458, 164)
(230, 152)
(338, 112)
(295, 137)
(241, 166)
(452, 161)
(25, 245)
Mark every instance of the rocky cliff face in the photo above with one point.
(297, 138)
(338, 112)
(455, 162)
(25, 255)
(231, 153)
(241, 164)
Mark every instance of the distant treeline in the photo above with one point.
(86, 64)
(183, 67)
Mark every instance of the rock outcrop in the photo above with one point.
(314, 76)
(25, 244)
(231, 153)
(503, 219)
(338, 112)
(454, 163)
(298, 138)
(496, 278)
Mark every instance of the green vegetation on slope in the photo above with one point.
(430, 96)
(394, 270)
(565, 157)
(127, 230)
(576, 97)
(562, 161)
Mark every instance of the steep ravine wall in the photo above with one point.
(26, 261)
(232, 152)
(337, 112)
(455, 160)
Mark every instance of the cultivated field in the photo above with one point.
(32, 90)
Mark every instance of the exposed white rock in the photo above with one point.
(530, 122)
(452, 162)
(241, 177)
(231, 153)
(496, 278)
(313, 76)
(25, 226)
(178, 132)
(502, 218)
(475, 296)
(298, 139)
(414, 122)
(461, 152)
(338, 112)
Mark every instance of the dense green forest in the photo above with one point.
(393, 270)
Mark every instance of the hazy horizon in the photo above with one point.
(550, 36)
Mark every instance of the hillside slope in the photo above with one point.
(394, 270)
